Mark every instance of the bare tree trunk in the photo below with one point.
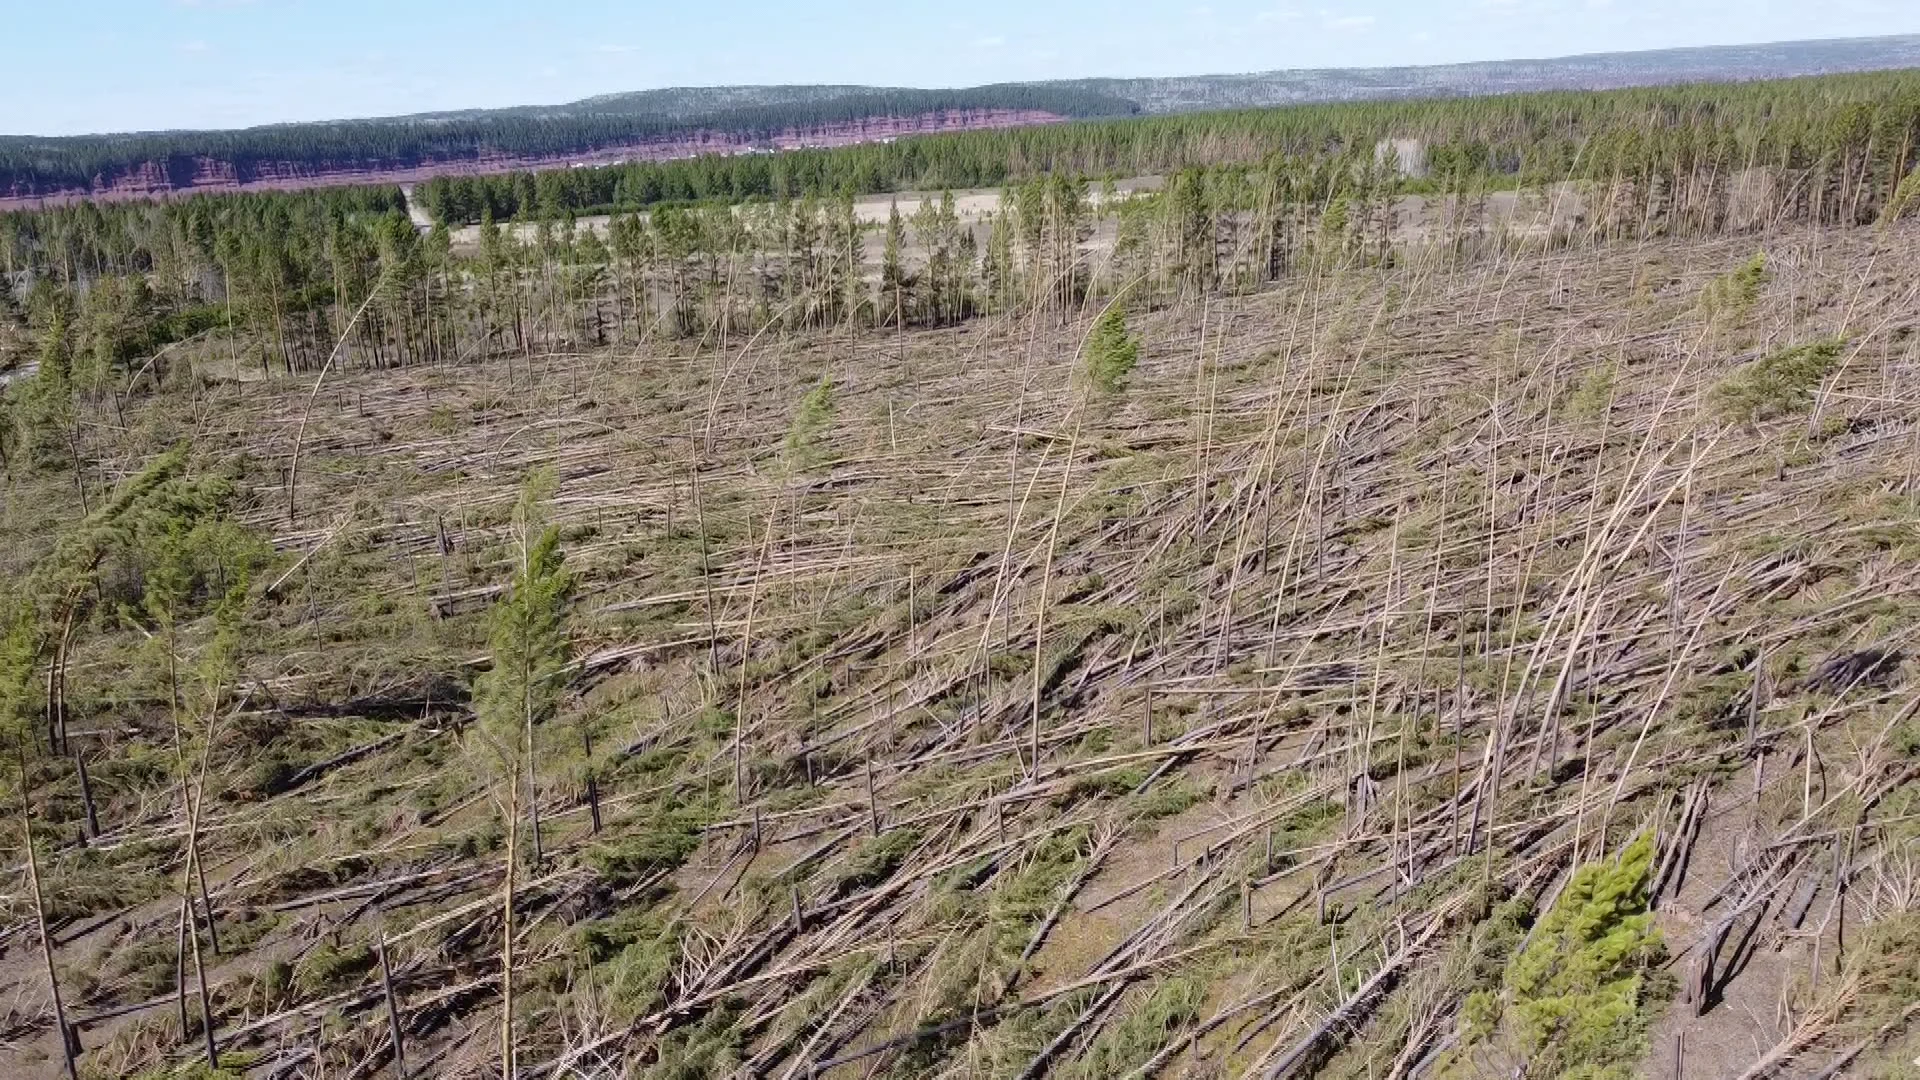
(200, 977)
(593, 785)
(506, 941)
(180, 969)
(40, 923)
(393, 1013)
(200, 874)
(86, 794)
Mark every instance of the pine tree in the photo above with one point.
(521, 691)
(1575, 1000)
(1110, 353)
(999, 269)
(893, 277)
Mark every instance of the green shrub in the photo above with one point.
(1021, 900)
(1578, 998)
(1110, 352)
(660, 843)
(811, 422)
(877, 859)
(1776, 385)
(1732, 295)
(1593, 395)
(328, 969)
(1166, 798)
(148, 965)
(1143, 1032)
(633, 955)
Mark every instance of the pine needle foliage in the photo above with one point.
(1575, 1004)
(1732, 295)
(1905, 198)
(529, 633)
(806, 439)
(18, 697)
(1776, 385)
(1110, 352)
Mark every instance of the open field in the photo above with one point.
(965, 719)
(974, 206)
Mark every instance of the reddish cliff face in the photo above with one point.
(153, 180)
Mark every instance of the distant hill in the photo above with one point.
(1596, 71)
(686, 121)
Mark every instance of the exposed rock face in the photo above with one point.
(153, 179)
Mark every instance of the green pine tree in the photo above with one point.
(1110, 353)
(1578, 1000)
(811, 422)
(522, 690)
(893, 275)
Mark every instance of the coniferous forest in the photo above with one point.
(51, 166)
(735, 239)
(1417, 589)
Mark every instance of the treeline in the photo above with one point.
(1870, 121)
(177, 241)
(45, 165)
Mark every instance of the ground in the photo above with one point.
(1438, 581)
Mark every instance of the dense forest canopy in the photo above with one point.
(47, 165)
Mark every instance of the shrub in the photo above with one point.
(811, 422)
(877, 859)
(328, 969)
(1577, 997)
(633, 955)
(1778, 384)
(1141, 1033)
(1732, 295)
(661, 842)
(1593, 395)
(1110, 352)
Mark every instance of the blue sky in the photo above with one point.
(92, 65)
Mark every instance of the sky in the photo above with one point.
(77, 66)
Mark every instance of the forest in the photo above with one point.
(38, 165)
(1516, 139)
(1389, 591)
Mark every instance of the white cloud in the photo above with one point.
(992, 41)
(195, 47)
(1351, 22)
(1277, 15)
